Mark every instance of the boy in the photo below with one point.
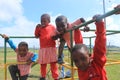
(23, 55)
(63, 25)
(92, 67)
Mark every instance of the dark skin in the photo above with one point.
(62, 27)
(81, 58)
(22, 50)
(45, 20)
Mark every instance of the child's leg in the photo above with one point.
(24, 77)
(13, 69)
(54, 70)
(43, 70)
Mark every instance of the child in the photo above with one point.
(47, 52)
(21, 71)
(92, 68)
(63, 25)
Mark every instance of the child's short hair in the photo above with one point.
(23, 44)
(61, 18)
(79, 46)
(47, 16)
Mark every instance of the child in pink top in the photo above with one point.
(47, 52)
(63, 25)
(21, 71)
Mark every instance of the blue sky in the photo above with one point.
(19, 17)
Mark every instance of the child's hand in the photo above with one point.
(38, 25)
(41, 26)
(29, 62)
(86, 29)
(97, 18)
(55, 37)
(4, 36)
(118, 6)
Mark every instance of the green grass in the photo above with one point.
(112, 70)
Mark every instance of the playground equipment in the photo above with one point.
(72, 68)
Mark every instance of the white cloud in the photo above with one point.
(11, 11)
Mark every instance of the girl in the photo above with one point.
(47, 52)
(23, 55)
(63, 25)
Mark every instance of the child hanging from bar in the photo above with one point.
(62, 26)
(92, 67)
(47, 52)
(21, 71)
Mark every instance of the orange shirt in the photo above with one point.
(45, 35)
(77, 36)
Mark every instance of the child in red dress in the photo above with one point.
(47, 52)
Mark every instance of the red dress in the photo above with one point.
(96, 69)
(47, 52)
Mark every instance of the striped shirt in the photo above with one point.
(24, 68)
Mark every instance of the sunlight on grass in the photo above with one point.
(112, 70)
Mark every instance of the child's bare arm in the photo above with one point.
(60, 51)
(61, 47)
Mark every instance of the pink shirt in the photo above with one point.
(24, 68)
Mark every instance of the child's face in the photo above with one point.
(44, 21)
(81, 59)
(22, 50)
(61, 26)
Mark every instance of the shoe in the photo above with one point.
(42, 78)
(60, 60)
